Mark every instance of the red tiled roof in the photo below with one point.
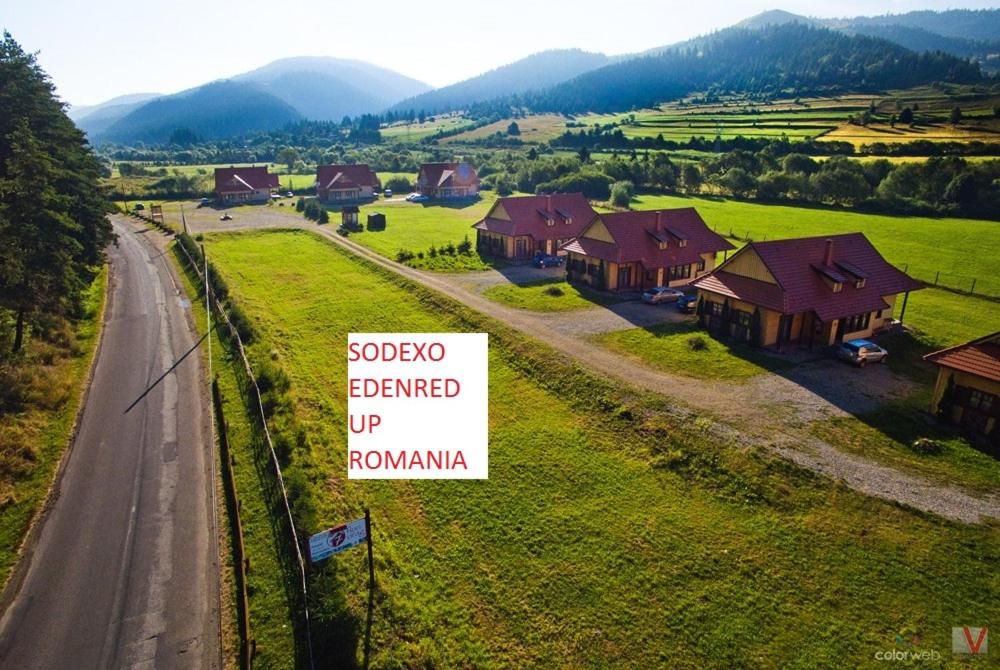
(530, 215)
(980, 357)
(637, 237)
(449, 175)
(243, 179)
(345, 176)
(799, 266)
(743, 288)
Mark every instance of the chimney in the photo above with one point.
(659, 221)
(828, 253)
(548, 203)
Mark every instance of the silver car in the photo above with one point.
(861, 352)
(658, 294)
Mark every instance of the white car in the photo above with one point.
(658, 294)
(417, 197)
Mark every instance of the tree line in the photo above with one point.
(53, 224)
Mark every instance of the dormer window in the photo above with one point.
(550, 222)
(859, 283)
(682, 243)
(838, 287)
(662, 245)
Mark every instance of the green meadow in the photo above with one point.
(549, 295)
(606, 535)
(960, 249)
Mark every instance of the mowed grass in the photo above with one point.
(535, 128)
(550, 295)
(416, 227)
(687, 349)
(960, 249)
(412, 132)
(603, 537)
(34, 436)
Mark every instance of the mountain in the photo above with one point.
(327, 89)
(535, 72)
(972, 24)
(789, 58)
(77, 112)
(95, 119)
(291, 89)
(216, 110)
(919, 39)
(775, 17)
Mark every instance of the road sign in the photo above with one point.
(335, 540)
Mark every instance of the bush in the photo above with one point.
(554, 291)
(300, 205)
(621, 193)
(324, 216)
(403, 256)
(926, 446)
(697, 343)
(465, 246)
(398, 185)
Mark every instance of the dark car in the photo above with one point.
(547, 261)
(687, 303)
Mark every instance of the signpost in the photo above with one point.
(335, 540)
(332, 541)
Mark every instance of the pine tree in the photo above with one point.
(53, 223)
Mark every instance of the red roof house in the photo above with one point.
(636, 250)
(346, 183)
(967, 391)
(818, 290)
(244, 184)
(518, 227)
(448, 181)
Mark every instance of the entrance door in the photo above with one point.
(625, 276)
(520, 247)
(840, 330)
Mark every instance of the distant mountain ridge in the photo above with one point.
(536, 71)
(286, 90)
(769, 60)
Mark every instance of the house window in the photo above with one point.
(853, 324)
(741, 318)
(679, 272)
(981, 401)
(701, 265)
(716, 308)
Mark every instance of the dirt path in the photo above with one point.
(770, 411)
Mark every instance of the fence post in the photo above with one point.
(973, 289)
(937, 275)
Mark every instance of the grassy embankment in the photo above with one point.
(39, 401)
(550, 295)
(606, 534)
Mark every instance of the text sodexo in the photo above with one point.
(388, 352)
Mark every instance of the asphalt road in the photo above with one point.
(125, 571)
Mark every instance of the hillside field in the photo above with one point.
(597, 540)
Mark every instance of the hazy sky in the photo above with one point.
(99, 49)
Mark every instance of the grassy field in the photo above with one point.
(549, 295)
(960, 249)
(271, 614)
(686, 349)
(41, 397)
(535, 128)
(941, 131)
(603, 537)
(413, 132)
(418, 227)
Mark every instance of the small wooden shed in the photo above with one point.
(349, 217)
(376, 221)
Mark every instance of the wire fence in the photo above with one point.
(237, 341)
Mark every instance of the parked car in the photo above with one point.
(861, 352)
(139, 207)
(226, 217)
(687, 303)
(417, 197)
(289, 194)
(204, 202)
(387, 193)
(547, 260)
(658, 294)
